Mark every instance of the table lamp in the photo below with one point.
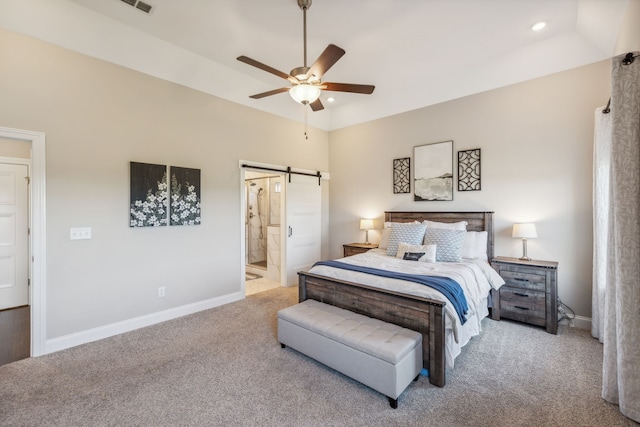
(524, 231)
(366, 224)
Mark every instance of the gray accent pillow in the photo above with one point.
(448, 243)
(408, 232)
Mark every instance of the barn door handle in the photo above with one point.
(290, 231)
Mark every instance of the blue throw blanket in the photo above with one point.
(445, 285)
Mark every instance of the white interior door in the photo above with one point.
(303, 224)
(14, 237)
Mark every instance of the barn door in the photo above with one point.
(303, 224)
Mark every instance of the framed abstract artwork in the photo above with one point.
(469, 170)
(402, 175)
(433, 172)
(185, 196)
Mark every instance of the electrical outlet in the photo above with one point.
(161, 292)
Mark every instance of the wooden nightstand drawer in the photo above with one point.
(523, 312)
(357, 248)
(524, 279)
(524, 296)
(524, 305)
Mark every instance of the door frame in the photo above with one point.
(243, 213)
(250, 165)
(37, 237)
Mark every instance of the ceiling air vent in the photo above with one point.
(140, 5)
(143, 6)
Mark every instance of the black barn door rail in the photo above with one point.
(287, 171)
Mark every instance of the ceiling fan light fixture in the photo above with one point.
(307, 85)
(300, 73)
(305, 93)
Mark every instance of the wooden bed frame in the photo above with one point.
(420, 314)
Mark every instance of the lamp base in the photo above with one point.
(524, 256)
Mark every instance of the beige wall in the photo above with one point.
(15, 149)
(98, 117)
(629, 37)
(536, 146)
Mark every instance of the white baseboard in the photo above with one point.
(579, 322)
(67, 341)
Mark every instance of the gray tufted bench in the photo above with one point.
(380, 355)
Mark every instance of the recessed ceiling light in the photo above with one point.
(331, 99)
(539, 26)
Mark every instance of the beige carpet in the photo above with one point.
(224, 367)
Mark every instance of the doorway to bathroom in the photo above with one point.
(263, 207)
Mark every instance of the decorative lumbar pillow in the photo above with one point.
(475, 245)
(408, 232)
(428, 251)
(462, 225)
(448, 243)
(413, 256)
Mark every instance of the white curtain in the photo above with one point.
(601, 162)
(616, 289)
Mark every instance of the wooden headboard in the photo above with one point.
(476, 221)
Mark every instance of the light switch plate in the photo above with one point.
(80, 233)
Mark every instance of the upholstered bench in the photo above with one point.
(380, 355)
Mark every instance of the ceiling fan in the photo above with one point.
(306, 84)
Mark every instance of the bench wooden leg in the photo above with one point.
(393, 403)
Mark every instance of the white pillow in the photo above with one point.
(407, 232)
(384, 238)
(462, 225)
(429, 251)
(475, 245)
(386, 231)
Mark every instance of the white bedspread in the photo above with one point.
(476, 277)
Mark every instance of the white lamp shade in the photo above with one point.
(524, 231)
(304, 93)
(366, 224)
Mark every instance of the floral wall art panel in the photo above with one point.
(148, 195)
(185, 196)
(433, 172)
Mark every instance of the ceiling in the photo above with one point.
(416, 52)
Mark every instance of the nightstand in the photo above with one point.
(357, 248)
(530, 293)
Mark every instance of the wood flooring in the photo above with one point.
(15, 334)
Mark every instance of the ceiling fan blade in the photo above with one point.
(262, 66)
(317, 105)
(348, 87)
(269, 93)
(326, 60)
